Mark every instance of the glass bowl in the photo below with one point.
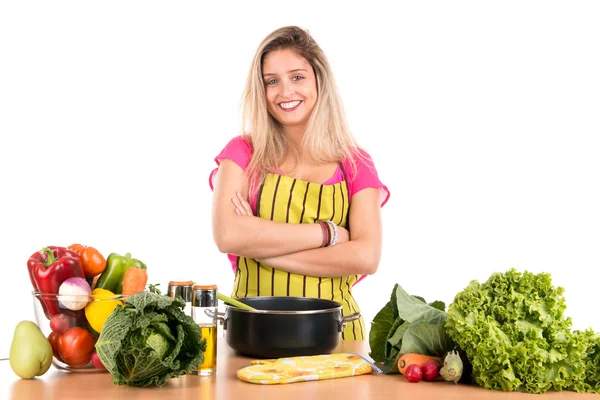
(72, 324)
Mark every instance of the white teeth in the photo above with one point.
(289, 105)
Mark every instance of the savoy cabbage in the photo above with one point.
(149, 340)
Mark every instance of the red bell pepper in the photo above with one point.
(48, 269)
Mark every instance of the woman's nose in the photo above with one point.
(287, 89)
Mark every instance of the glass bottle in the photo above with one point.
(182, 289)
(204, 312)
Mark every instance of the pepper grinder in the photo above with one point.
(182, 289)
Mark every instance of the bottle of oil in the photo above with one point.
(204, 312)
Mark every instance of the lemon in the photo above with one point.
(100, 307)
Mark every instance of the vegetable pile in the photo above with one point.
(99, 314)
(417, 366)
(150, 340)
(509, 333)
(78, 289)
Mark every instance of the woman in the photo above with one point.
(287, 190)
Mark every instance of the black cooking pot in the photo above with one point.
(284, 326)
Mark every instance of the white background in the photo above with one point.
(482, 117)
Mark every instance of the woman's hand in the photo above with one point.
(242, 207)
(252, 236)
(358, 256)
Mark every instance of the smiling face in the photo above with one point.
(291, 88)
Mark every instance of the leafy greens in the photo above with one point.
(407, 324)
(515, 334)
(149, 340)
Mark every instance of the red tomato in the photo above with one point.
(76, 346)
(54, 339)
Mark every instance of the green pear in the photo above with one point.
(30, 351)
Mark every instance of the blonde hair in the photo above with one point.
(327, 137)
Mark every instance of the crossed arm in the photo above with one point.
(294, 248)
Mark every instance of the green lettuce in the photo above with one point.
(149, 340)
(517, 338)
(592, 361)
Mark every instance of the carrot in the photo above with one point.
(134, 281)
(413, 358)
(95, 281)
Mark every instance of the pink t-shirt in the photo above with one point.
(239, 151)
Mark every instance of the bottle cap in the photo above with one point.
(181, 283)
(205, 287)
(205, 296)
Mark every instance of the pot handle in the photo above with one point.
(220, 317)
(348, 318)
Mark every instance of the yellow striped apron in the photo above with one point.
(285, 199)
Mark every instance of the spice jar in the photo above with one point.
(182, 289)
(204, 313)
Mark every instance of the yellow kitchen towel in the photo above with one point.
(306, 368)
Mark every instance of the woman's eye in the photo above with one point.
(297, 77)
(272, 82)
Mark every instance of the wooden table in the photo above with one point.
(59, 385)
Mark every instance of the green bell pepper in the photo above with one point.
(116, 265)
